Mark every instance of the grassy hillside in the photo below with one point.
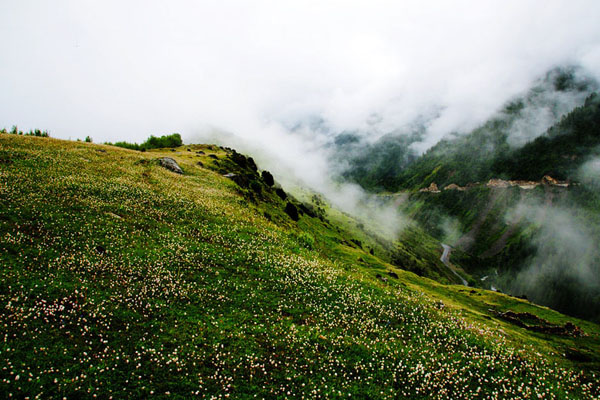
(123, 279)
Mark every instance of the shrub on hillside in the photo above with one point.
(306, 240)
(292, 211)
(256, 186)
(268, 178)
(153, 142)
(281, 193)
(15, 131)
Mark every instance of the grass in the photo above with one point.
(121, 279)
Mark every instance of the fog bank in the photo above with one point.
(282, 78)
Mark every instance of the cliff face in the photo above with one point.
(433, 188)
(500, 183)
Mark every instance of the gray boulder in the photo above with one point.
(170, 164)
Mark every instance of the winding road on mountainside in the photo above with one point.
(445, 258)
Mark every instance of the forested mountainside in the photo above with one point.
(558, 153)
(529, 215)
(550, 228)
(500, 148)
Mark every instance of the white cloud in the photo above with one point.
(119, 70)
(563, 271)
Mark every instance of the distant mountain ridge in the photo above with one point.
(471, 191)
(490, 225)
(496, 149)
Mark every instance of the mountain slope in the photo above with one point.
(485, 153)
(560, 151)
(456, 194)
(489, 151)
(489, 222)
(121, 278)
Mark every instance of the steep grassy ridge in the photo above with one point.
(122, 279)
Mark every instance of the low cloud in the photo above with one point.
(122, 71)
(588, 173)
(551, 97)
(299, 161)
(563, 270)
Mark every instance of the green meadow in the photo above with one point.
(122, 279)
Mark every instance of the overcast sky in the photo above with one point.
(122, 70)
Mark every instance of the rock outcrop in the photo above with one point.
(548, 180)
(534, 323)
(527, 185)
(498, 183)
(170, 164)
(501, 183)
(433, 188)
(454, 186)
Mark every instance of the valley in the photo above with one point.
(523, 217)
